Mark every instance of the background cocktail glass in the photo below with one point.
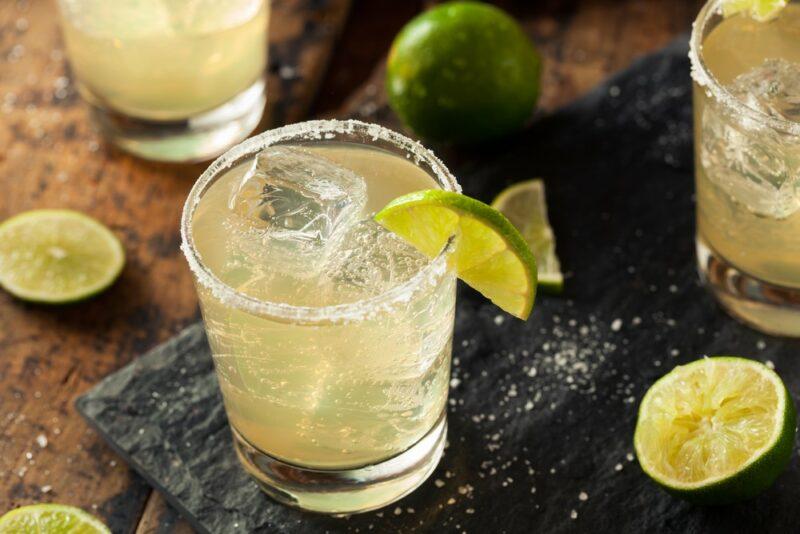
(747, 157)
(170, 80)
(334, 408)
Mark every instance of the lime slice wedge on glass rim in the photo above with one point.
(490, 254)
(717, 430)
(760, 10)
(51, 519)
(57, 256)
(524, 206)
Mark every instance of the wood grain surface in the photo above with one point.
(51, 157)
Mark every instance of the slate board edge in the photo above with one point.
(82, 400)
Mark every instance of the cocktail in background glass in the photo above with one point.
(331, 336)
(171, 80)
(747, 156)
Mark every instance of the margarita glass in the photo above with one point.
(172, 80)
(333, 357)
(747, 155)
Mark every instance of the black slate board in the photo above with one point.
(542, 413)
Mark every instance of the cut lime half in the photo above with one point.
(524, 205)
(57, 256)
(51, 519)
(760, 10)
(716, 431)
(490, 255)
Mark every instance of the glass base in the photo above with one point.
(767, 307)
(197, 138)
(348, 491)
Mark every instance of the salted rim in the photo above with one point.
(705, 79)
(317, 130)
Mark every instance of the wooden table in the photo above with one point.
(50, 157)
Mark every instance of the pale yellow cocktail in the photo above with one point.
(747, 140)
(331, 336)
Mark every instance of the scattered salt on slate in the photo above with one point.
(541, 413)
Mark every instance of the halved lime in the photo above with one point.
(57, 256)
(51, 519)
(524, 205)
(717, 430)
(760, 10)
(490, 255)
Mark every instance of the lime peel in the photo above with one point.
(489, 254)
(717, 430)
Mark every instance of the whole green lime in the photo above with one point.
(463, 72)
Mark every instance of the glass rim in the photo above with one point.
(314, 131)
(703, 76)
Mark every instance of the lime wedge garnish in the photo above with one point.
(760, 10)
(490, 255)
(51, 519)
(524, 205)
(716, 431)
(57, 256)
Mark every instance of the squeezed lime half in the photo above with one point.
(717, 430)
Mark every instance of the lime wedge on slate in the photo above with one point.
(524, 205)
(57, 256)
(760, 10)
(716, 431)
(50, 519)
(490, 254)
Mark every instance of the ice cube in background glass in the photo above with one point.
(299, 205)
(757, 167)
